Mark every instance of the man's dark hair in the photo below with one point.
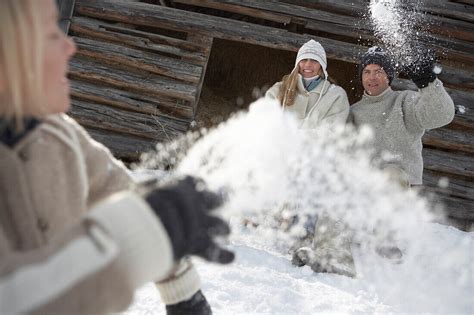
(375, 55)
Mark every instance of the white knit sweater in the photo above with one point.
(399, 120)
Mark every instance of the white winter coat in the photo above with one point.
(326, 104)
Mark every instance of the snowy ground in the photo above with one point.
(262, 160)
(262, 280)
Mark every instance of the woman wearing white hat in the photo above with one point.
(307, 92)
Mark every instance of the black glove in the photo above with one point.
(196, 305)
(420, 70)
(183, 207)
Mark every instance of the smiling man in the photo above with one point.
(399, 118)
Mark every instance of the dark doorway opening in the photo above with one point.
(239, 73)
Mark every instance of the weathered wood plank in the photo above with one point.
(320, 20)
(159, 16)
(454, 163)
(208, 41)
(139, 82)
(460, 97)
(441, 25)
(454, 186)
(123, 146)
(358, 26)
(65, 10)
(278, 11)
(86, 27)
(118, 54)
(449, 9)
(457, 77)
(455, 207)
(352, 8)
(156, 127)
(450, 139)
(131, 101)
(239, 7)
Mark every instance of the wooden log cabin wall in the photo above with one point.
(140, 67)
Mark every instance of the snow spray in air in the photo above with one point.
(272, 172)
(402, 28)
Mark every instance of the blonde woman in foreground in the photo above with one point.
(74, 239)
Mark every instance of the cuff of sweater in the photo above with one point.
(145, 249)
(181, 286)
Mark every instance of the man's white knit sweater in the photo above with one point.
(399, 120)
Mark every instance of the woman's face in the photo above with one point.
(58, 49)
(309, 68)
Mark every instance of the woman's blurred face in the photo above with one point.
(309, 68)
(58, 49)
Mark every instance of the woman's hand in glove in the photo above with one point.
(184, 207)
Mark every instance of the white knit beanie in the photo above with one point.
(313, 50)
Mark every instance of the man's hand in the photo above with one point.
(420, 70)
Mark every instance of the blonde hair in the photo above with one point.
(21, 55)
(289, 86)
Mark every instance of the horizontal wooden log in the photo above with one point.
(118, 54)
(331, 23)
(239, 7)
(65, 9)
(144, 81)
(453, 186)
(455, 207)
(159, 128)
(123, 146)
(449, 9)
(457, 77)
(163, 17)
(456, 50)
(451, 163)
(92, 28)
(352, 8)
(469, 2)
(277, 11)
(449, 139)
(160, 16)
(137, 102)
(453, 26)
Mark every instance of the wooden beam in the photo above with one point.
(455, 207)
(208, 41)
(131, 101)
(109, 53)
(453, 163)
(239, 7)
(123, 146)
(444, 184)
(65, 9)
(159, 16)
(143, 81)
(155, 127)
(454, 25)
(101, 30)
(448, 139)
